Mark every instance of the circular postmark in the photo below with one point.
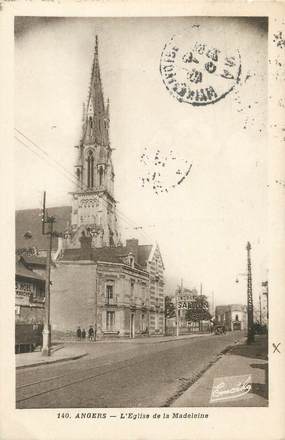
(198, 73)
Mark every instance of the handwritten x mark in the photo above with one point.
(276, 347)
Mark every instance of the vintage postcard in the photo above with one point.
(143, 240)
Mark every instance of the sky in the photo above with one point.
(202, 225)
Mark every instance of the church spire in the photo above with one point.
(93, 203)
(96, 90)
(96, 119)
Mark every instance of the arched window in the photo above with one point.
(78, 173)
(90, 122)
(101, 171)
(90, 170)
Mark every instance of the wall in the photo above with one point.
(73, 295)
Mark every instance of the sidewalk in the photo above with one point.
(242, 359)
(58, 354)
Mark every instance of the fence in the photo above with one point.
(191, 328)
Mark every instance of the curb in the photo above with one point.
(186, 386)
(135, 340)
(55, 361)
(178, 339)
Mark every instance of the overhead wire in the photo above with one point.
(72, 177)
(69, 176)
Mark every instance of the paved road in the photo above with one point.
(120, 375)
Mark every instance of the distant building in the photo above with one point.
(264, 303)
(233, 316)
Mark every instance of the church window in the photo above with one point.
(78, 173)
(90, 122)
(90, 170)
(100, 175)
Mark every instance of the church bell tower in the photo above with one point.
(93, 203)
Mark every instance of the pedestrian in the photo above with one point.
(91, 333)
(78, 333)
(83, 334)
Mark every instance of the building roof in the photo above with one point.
(111, 254)
(30, 220)
(23, 271)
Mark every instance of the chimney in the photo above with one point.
(86, 250)
(132, 246)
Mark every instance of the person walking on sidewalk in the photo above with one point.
(83, 334)
(78, 333)
(91, 333)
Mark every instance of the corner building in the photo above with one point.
(97, 281)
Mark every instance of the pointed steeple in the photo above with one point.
(96, 91)
(96, 120)
(93, 203)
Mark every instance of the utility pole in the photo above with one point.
(250, 329)
(47, 327)
(260, 310)
(96, 304)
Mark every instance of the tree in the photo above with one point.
(198, 310)
(169, 307)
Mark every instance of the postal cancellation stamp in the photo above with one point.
(197, 72)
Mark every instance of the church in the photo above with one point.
(96, 280)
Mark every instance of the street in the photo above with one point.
(121, 374)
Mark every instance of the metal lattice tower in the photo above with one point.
(250, 330)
